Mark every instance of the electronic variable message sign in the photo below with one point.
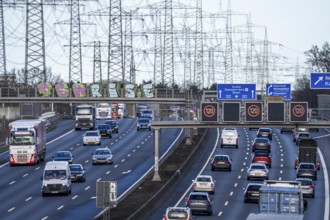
(276, 112)
(298, 112)
(231, 111)
(209, 112)
(253, 112)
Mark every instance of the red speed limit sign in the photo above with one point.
(253, 112)
(298, 111)
(209, 112)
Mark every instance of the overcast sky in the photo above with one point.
(295, 24)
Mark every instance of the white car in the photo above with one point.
(92, 137)
(178, 213)
(229, 137)
(257, 171)
(204, 183)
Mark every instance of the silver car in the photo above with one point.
(102, 156)
(257, 171)
(199, 202)
(307, 186)
(92, 137)
(178, 213)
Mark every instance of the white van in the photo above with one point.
(56, 178)
(229, 137)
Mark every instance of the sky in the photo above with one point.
(293, 26)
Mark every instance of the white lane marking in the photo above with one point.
(142, 142)
(28, 199)
(107, 172)
(134, 151)
(25, 175)
(138, 146)
(11, 183)
(61, 207)
(235, 185)
(239, 177)
(226, 203)
(231, 193)
(281, 171)
(11, 209)
(220, 213)
(74, 197)
(281, 159)
(93, 197)
(37, 168)
(242, 170)
(87, 187)
(281, 165)
(126, 172)
(280, 178)
(86, 161)
(326, 185)
(44, 218)
(99, 179)
(244, 164)
(116, 166)
(129, 155)
(122, 160)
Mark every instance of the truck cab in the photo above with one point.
(85, 117)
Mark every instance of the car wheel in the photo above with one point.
(210, 213)
(236, 146)
(229, 169)
(212, 169)
(313, 195)
(315, 178)
(245, 200)
(221, 146)
(248, 178)
(117, 132)
(100, 143)
(110, 136)
(137, 129)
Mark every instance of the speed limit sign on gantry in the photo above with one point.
(253, 112)
(209, 112)
(298, 112)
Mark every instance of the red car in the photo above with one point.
(261, 143)
(262, 156)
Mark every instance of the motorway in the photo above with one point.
(133, 156)
(228, 198)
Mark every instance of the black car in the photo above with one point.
(78, 173)
(221, 162)
(105, 130)
(63, 156)
(251, 193)
(265, 132)
(114, 125)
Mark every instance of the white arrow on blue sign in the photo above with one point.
(320, 81)
(236, 91)
(279, 90)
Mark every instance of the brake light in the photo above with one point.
(195, 184)
(212, 184)
(236, 140)
(189, 201)
(221, 140)
(207, 202)
(311, 187)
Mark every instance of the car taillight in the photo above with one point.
(194, 184)
(207, 202)
(212, 184)
(236, 140)
(311, 187)
(189, 201)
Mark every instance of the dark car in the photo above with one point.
(105, 130)
(286, 129)
(261, 143)
(63, 156)
(262, 156)
(78, 173)
(102, 156)
(265, 132)
(221, 162)
(307, 186)
(307, 170)
(302, 135)
(114, 125)
(199, 202)
(251, 193)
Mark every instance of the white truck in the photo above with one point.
(85, 117)
(122, 110)
(27, 141)
(103, 111)
(56, 178)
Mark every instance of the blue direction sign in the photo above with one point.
(236, 91)
(320, 81)
(279, 90)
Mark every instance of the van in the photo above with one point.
(229, 137)
(56, 178)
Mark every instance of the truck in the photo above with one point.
(103, 111)
(85, 117)
(307, 152)
(280, 200)
(122, 110)
(27, 141)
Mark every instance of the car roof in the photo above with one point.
(306, 163)
(257, 164)
(204, 176)
(261, 138)
(198, 193)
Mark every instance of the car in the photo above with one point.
(204, 183)
(199, 202)
(307, 170)
(265, 132)
(286, 129)
(178, 213)
(261, 143)
(63, 156)
(78, 173)
(251, 193)
(296, 130)
(262, 156)
(105, 130)
(102, 156)
(113, 124)
(147, 113)
(229, 137)
(92, 137)
(257, 171)
(302, 135)
(307, 186)
(221, 162)
(143, 123)
(314, 119)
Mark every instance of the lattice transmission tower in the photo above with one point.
(168, 57)
(198, 70)
(3, 70)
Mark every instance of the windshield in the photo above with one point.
(102, 152)
(55, 174)
(143, 120)
(22, 140)
(103, 127)
(91, 134)
(103, 105)
(83, 111)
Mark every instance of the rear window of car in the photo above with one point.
(223, 158)
(261, 140)
(254, 187)
(306, 166)
(261, 153)
(229, 133)
(304, 135)
(305, 182)
(198, 197)
(91, 134)
(257, 167)
(203, 179)
(178, 214)
(143, 120)
(103, 127)
(264, 130)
